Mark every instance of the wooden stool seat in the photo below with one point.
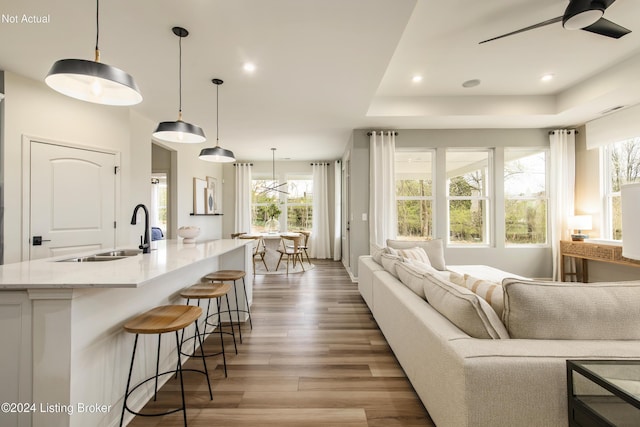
(206, 291)
(225, 275)
(166, 318)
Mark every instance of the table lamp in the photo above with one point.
(580, 223)
(630, 200)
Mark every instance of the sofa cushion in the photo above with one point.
(389, 263)
(433, 248)
(414, 254)
(463, 308)
(377, 252)
(491, 292)
(572, 311)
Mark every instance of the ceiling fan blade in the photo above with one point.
(604, 27)
(522, 30)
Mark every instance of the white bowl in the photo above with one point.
(189, 233)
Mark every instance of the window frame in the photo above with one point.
(547, 167)
(286, 204)
(489, 198)
(432, 198)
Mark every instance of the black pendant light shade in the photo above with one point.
(179, 131)
(93, 81)
(217, 154)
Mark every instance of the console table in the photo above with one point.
(590, 251)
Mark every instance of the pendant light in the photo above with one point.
(93, 81)
(179, 131)
(274, 184)
(217, 153)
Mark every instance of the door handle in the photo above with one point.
(37, 240)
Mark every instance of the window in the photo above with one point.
(414, 194)
(525, 196)
(622, 166)
(468, 196)
(260, 201)
(297, 205)
(299, 202)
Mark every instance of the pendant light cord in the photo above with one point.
(97, 59)
(180, 77)
(217, 115)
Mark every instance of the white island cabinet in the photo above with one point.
(64, 356)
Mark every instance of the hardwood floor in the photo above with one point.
(315, 357)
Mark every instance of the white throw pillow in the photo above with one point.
(413, 254)
(377, 252)
(389, 263)
(463, 308)
(433, 248)
(572, 311)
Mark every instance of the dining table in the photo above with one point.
(271, 245)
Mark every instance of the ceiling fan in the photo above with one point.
(274, 184)
(581, 15)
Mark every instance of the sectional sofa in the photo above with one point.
(517, 379)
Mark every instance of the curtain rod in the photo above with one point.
(321, 164)
(371, 133)
(243, 164)
(552, 132)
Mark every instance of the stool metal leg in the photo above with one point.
(126, 392)
(233, 333)
(246, 299)
(184, 405)
(224, 357)
(204, 362)
(155, 389)
(235, 292)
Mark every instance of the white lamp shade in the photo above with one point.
(630, 199)
(580, 222)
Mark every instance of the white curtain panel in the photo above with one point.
(382, 192)
(320, 240)
(562, 187)
(243, 198)
(337, 214)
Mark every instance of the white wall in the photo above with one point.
(33, 109)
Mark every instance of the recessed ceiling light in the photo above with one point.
(546, 77)
(471, 83)
(416, 79)
(249, 67)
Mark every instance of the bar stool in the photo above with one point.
(210, 291)
(228, 276)
(159, 320)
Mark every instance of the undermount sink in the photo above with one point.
(105, 256)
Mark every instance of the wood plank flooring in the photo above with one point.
(315, 357)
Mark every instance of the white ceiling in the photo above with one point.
(325, 67)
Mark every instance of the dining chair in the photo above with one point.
(291, 250)
(259, 249)
(304, 246)
(235, 235)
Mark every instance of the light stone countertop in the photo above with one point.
(130, 272)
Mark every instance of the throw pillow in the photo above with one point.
(463, 308)
(491, 292)
(433, 248)
(389, 263)
(412, 276)
(376, 252)
(572, 311)
(413, 254)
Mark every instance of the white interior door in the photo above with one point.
(72, 200)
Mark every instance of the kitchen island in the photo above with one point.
(65, 358)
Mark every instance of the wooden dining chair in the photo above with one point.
(235, 235)
(259, 249)
(304, 246)
(290, 246)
